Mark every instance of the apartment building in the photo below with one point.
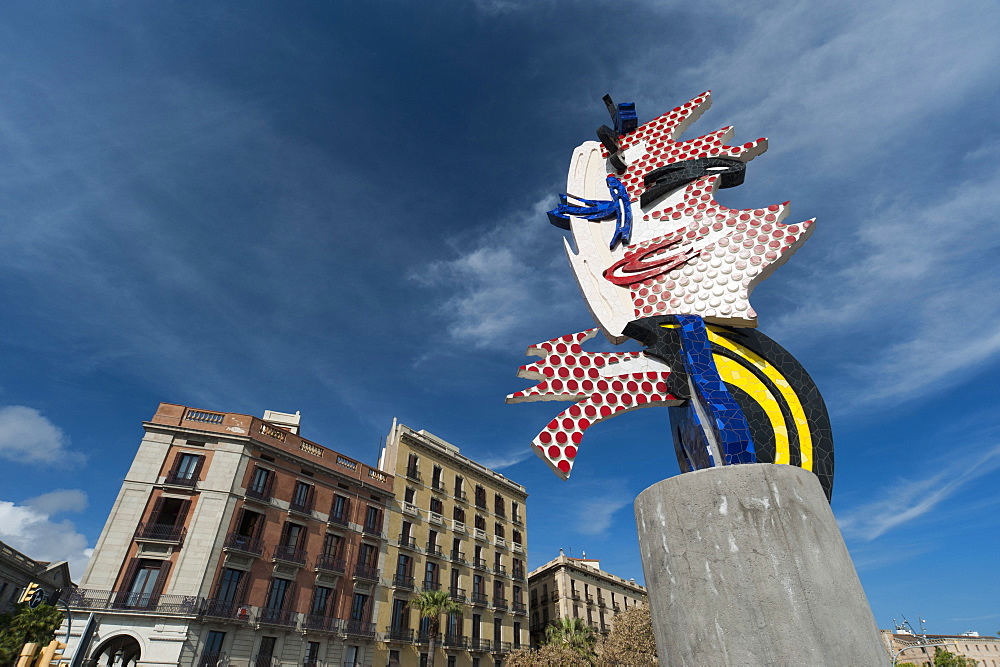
(578, 588)
(18, 570)
(458, 526)
(236, 541)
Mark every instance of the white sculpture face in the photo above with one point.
(687, 254)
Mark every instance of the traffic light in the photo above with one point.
(33, 595)
(51, 654)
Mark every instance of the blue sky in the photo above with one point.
(338, 208)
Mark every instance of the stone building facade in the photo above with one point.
(459, 527)
(17, 570)
(578, 588)
(908, 648)
(235, 541)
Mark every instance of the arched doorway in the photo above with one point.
(118, 651)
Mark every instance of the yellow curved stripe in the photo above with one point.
(733, 373)
(794, 405)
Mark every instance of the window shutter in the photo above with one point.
(161, 580)
(177, 462)
(239, 520)
(258, 526)
(182, 513)
(270, 482)
(290, 594)
(196, 475)
(126, 581)
(302, 538)
(242, 588)
(154, 516)
(310, 495)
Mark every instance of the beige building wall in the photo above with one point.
(984, 650)
(434, 543)
(578, 588)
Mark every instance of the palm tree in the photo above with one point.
(431, 604)
(572, 633)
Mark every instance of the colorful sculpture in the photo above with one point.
(660, 261)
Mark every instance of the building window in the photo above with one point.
(279, 594)
(517, 634)
(451, 661)
(302, 497)
(187, 468)
(431, 581)
(260, 484)
(516, 536)
(497, 630)
(321, 601)
(213, 648)
(265, 651)
(400, 614)
(437, 506)
(459, 487)
(332, 545)
(480, 497)
(373, 520)
(411, 467)
(339, 510)
(393, 658)
(459, 514)
(145, 579)
(499, 506)
(480, 522)
(436, 478)
(228, 589)
(359, 607)
(368, 556)
(293, 535)
(515, 511)
(312, 655)
(498, 529)
(409, 494)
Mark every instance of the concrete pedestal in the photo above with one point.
(745, 565)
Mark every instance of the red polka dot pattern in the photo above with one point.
(567, 373)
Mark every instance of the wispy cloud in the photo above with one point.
(28, 437)
(500, 461)
(32, 527)
(912, 498)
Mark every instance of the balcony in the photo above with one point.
(617, 607)
(331, 564)
(403, 581)
(519, 608)
(544, 599)
(601, 603)
(501, 647)
(289, 555)
(479, 599)
(434, 550)
(481, 535)
(260, 494)
(413, 473)
(457, 526)
(590, 599)
(225, 609)
(183, 478)
(518, 549)
(157, 532)
(340, 516)
(455, 641)
(366, 572)
(425, 638)
(94, 600)
(407, 542)
(499, 570)
(461, 496)
(516, 519)
(518, 573)
(458, 557)
(283, 617)
(481, 503)
(438, 485)
(320, 623)
(411, 509)
(432, 586)
(457, 594)
(575, 595)
(479, 645)
(301, 505)
(394, 634)
(499, 542)
(480, 564)
(372, 528)
(359, 629)
(435, 518)
(500, 604)
(244, 544)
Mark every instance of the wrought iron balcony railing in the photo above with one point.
(479, 645)
(330, 563)
(461, 496)
(518, 573)
(425, 638)
(214, 608)
(413, 474)
(543, 600)
(359, 629)
(407, 542)
(402, 581)
(458, 556)
(499, 570)
(369, 572)
(501, 647)
(455, 641)
(181, 478)
(283, 617)
(394, 634)
(500, 603)
(301, 506)
(263, 494)
(433, 550)
(456, 593)
(321, 623)
(244, 543)
(372, 528)
(340, 518)
(212, 659)
(479, 599)
(480, 564)
(90, 599)
(432, 586)
(519, 608)
(438, 485)
(289, 555)
(160, 532)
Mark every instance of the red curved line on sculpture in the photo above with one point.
(635, 262)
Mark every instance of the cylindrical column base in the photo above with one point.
(745, 565)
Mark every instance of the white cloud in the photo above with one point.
(32, 529)
(507, 459)
(912, 498)
(28, 437)
(595, 516)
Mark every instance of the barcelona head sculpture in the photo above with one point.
(660, 261)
